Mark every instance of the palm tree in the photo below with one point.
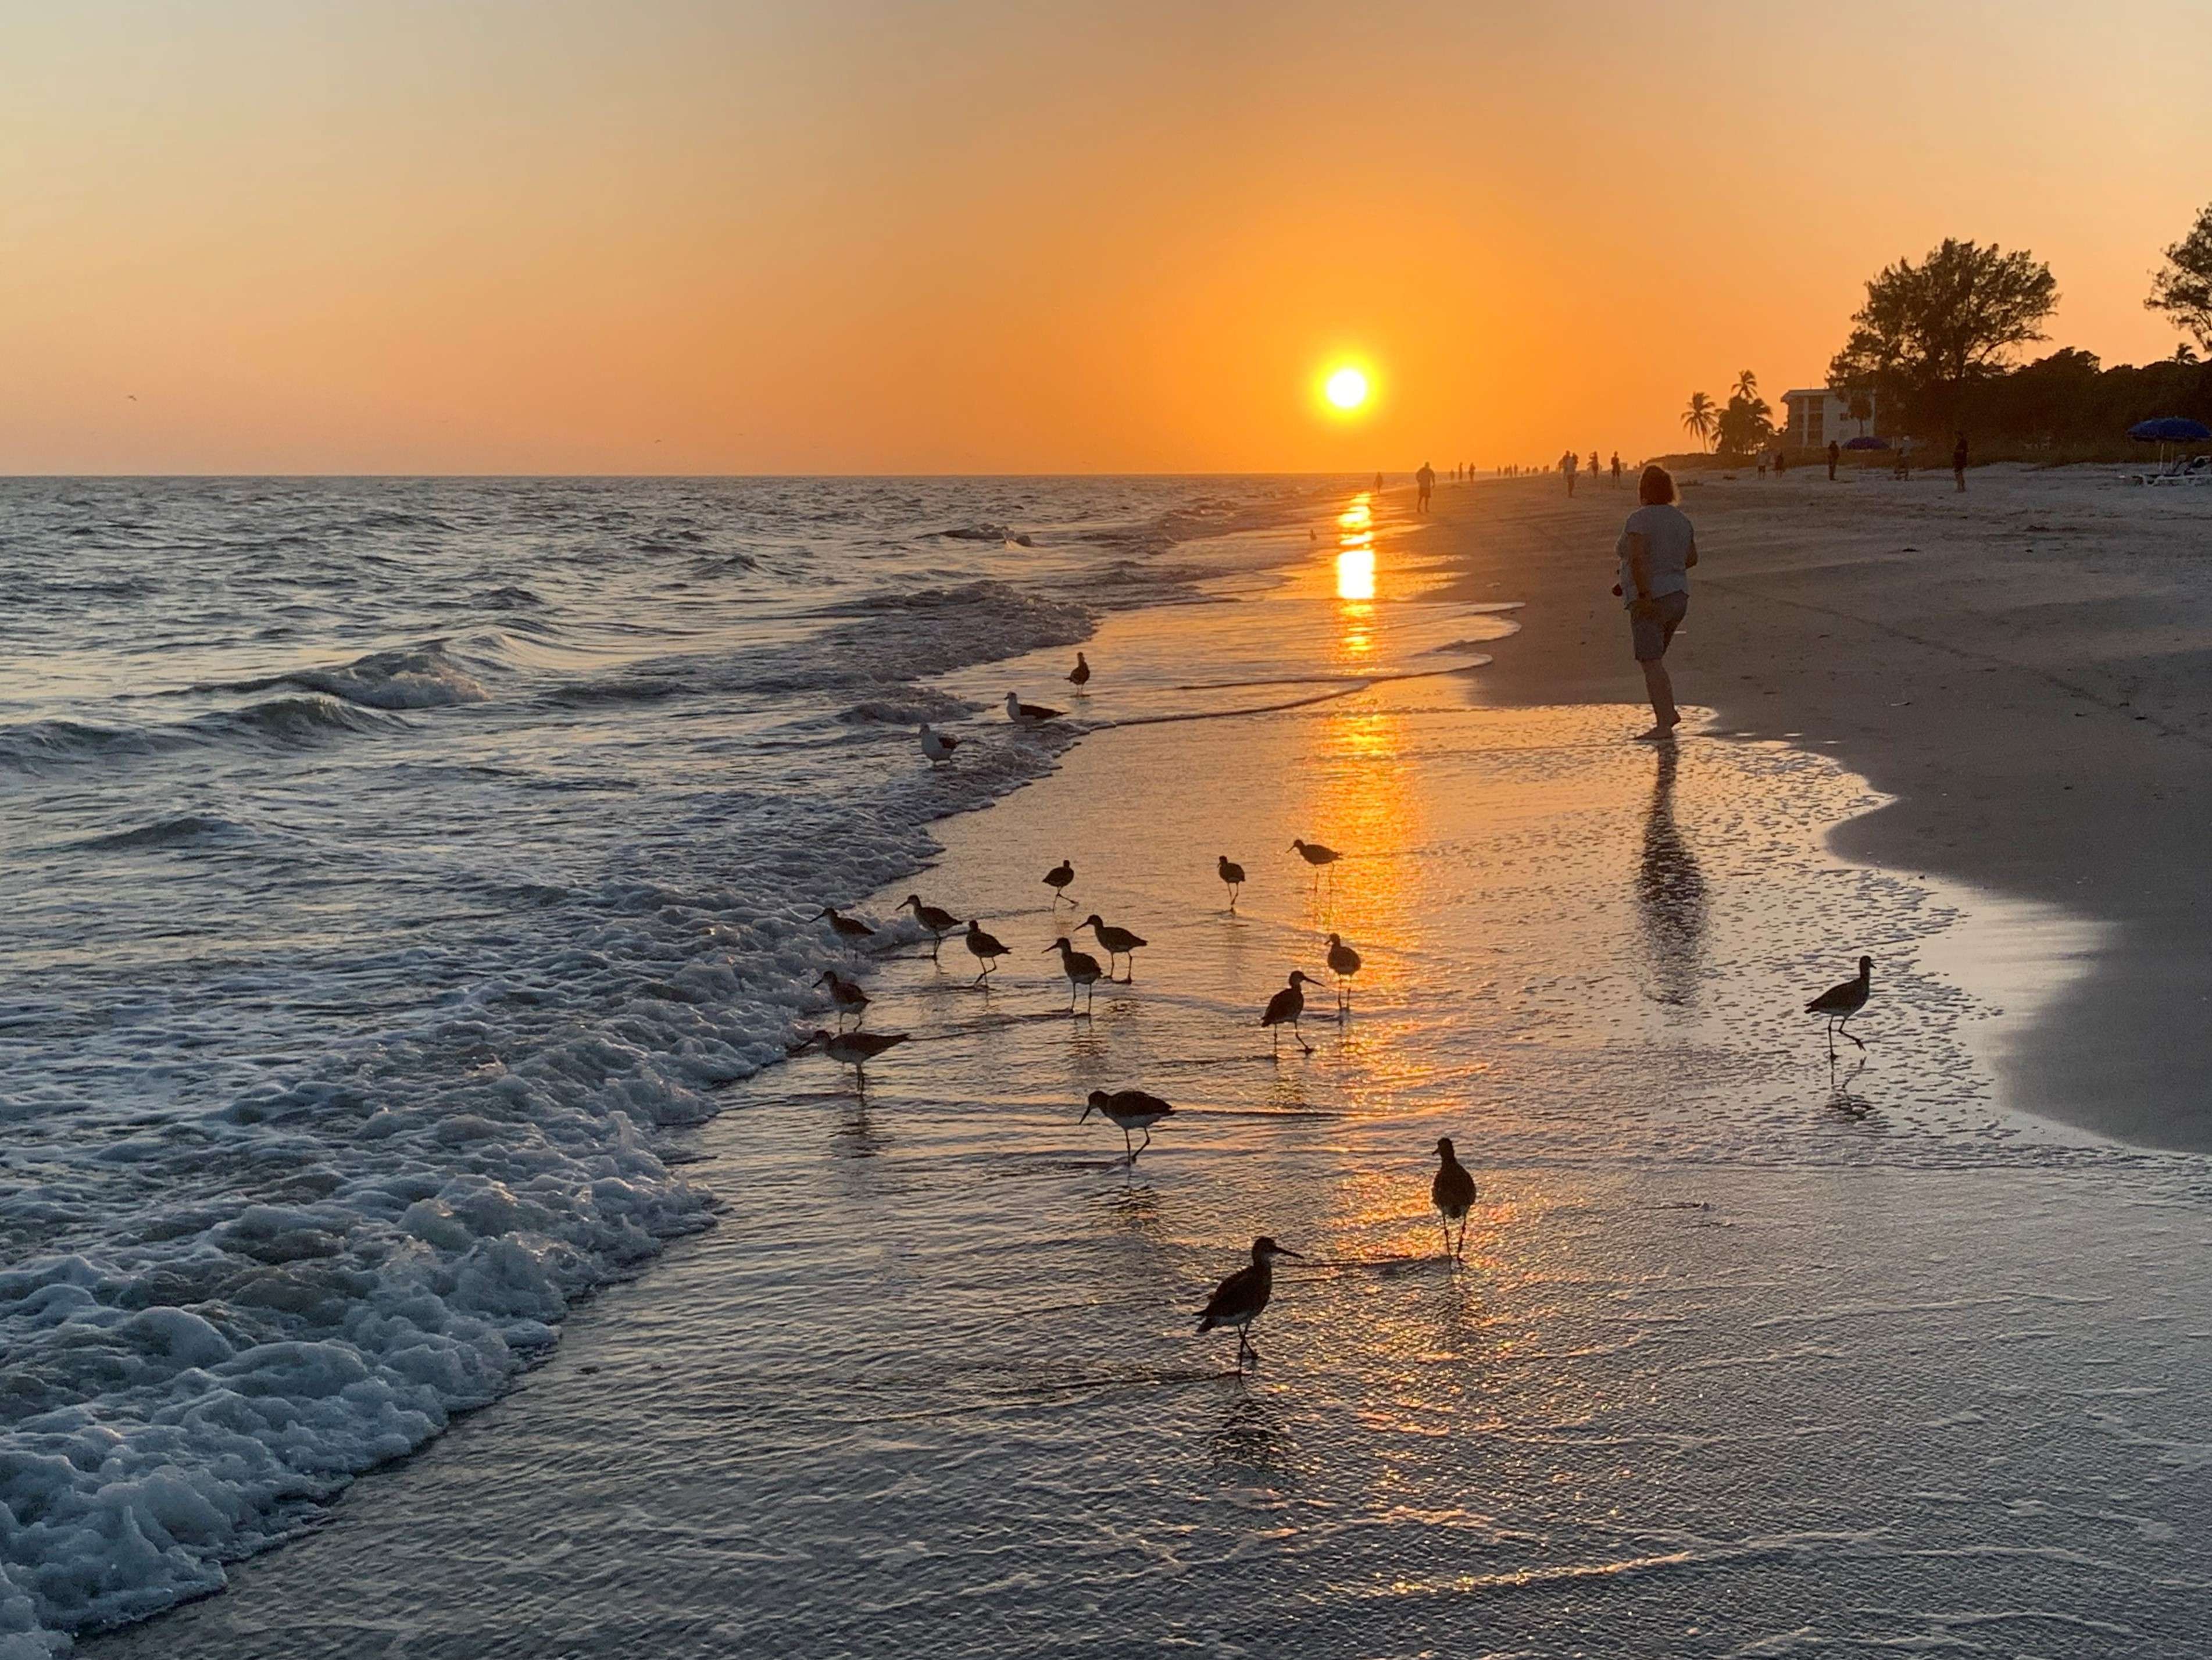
(1747, 385)
(1700, 418)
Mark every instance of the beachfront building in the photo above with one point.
(1817, 414)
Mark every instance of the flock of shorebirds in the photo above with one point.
(1240, 1298)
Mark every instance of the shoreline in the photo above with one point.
(2026, 672)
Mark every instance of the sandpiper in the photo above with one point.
(1237, 1301)
(1028, 714)
(1119, 942)
(1840, 1003)
(846, 996)
(1344, 963)
(851, 929)
(1079, 676)
(1057, 880)
(1452, 1193)
(1286, 1005)
(1081, 968)
(1127, 1110)
(985, 948)
(1231, 874)
(938, 921)
(1316, 855)
(937, 745)
(851, 1048)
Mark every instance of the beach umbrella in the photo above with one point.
(2169, 429)
(1864, 442)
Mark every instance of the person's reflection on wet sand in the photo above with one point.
(1670, 891)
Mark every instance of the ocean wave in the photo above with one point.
(509, 597)
(420, 678)
(186, 829)
(38, 744)
(300, 719)
(909, 707)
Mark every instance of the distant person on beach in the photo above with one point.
(1378, 483)
(1595, 469)
(1568, 464)
(1616, 469)
(1835, 454)
(1958, 461)
(1781, 460)
(1657, 547)
(1424, 485)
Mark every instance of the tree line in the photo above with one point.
(1935, 350)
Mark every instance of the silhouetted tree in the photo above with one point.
(2183, 290)
(1744, 427)
(1927, 331)
(1699, 418)
(1746, 383)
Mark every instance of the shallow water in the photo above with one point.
(1751, 1354)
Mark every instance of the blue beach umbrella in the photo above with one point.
(1864, 442)
(2169, 429)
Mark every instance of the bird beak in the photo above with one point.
(1285, 1251)
(1087, 1111)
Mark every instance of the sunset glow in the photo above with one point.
(1346, 389)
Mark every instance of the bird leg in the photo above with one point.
(1845, 1028)
(1831, 1037)
(1300, 1033)
(1444, 1223)
(1127, 1148)
(1141, 1145)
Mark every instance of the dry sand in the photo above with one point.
(2026, 668)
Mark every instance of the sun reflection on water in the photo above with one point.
(1355, 556)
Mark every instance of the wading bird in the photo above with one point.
(1285, 1007)
(1127, 1110)
(846, 996)
(1079, 676)
(1028, 714)
(1316, 855)
(1081, 968)
(1453, 1195)
(984, 948)
(1840, 1003)
(1119, 942)
(1057, 880)
(851, 1048)
(1344, 963)
(1232, 874)
(938, 920)
(937, 745)
(1238, 1300)
(851, 929)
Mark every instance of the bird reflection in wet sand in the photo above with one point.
(1670, 891)
(1247, 1438)
(1840, 1097)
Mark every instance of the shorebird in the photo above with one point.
(937, 745)
(1119, 942)
(1237, 1301)
(1057, 880)
(851, 929)
(1079, 676)
(851, 1048)
(1344, 963)
(1028, 714)
(1287, 1005)
(1840, 1003)
(938, 921)
(1316, 855)
(1453, 1195)
(984, 948)
(1130, 1109)
(846, 996)
(1233, 874)
(1081, 968)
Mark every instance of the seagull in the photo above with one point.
(851, 929)
(1081, 968)
(984, 948)
(937, 745)
(1237, 1300)
(1840, 1003)
(845, 996)
(1344, 963)
(1233, 874)
(1028, 714)
(1130, 1109)
(1289, 1003)
(1079, 676)
(1453, 1195)
(938, 922)
(1057, 880)
(1316, 855)
(1119, 942)
(851, 1048)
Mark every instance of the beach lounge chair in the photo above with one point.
(2197, 470)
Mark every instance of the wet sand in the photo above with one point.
(2026, 668)
(1752, 1354)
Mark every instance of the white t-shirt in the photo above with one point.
(1667, 539)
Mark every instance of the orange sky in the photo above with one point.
(542, 237)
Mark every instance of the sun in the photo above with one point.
(1346, 388)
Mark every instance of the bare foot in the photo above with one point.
(1656, 735)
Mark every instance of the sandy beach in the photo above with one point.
(1754, 1353)
(2023, 668)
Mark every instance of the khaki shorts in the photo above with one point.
(1652, 622)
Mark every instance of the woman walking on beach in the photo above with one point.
(1657, 547)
